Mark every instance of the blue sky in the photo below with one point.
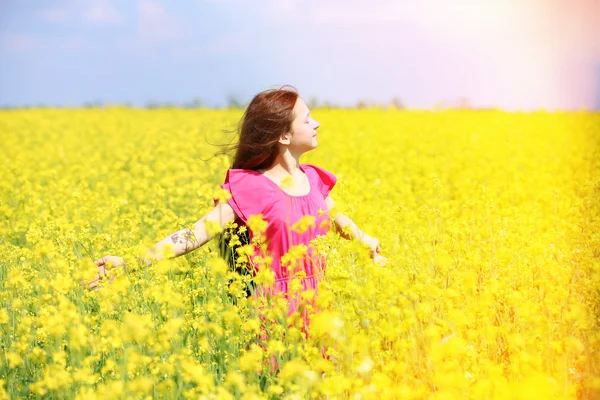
(502, 53)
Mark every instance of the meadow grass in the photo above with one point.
(490, 222)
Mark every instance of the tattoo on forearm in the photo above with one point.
(183, 238)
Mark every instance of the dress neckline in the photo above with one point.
(310, 188)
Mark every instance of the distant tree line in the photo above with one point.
(234, 101)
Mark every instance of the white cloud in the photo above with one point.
(157, 25)
(103, 12)
(229, 44)
(74, 44)
(18, 43)
(54, 15)
(224, 1)
(27, 43)
(497, 51)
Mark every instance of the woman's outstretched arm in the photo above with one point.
(180, 242)
(349, 230)
(189, 239)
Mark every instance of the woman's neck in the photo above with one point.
(285, 163)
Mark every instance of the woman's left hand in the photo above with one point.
(379, 260)
(373, 244)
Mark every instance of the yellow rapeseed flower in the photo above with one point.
(251, 361)
(303, 224)
(488, 220)
(257, 224)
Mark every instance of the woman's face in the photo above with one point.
(304, 128)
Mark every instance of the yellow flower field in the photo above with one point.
(490, 222)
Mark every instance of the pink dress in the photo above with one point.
(252, 193)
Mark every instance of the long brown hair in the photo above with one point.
(268, 116)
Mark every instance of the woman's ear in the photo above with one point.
(284, 139)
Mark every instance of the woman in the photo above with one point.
(268, 183)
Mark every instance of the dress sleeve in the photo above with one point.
(249, 193)
(325, 180)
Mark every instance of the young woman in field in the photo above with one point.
(267, 179)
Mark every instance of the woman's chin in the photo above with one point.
(308, 147)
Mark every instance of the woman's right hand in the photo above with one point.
(103, 266)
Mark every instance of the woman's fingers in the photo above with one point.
(375, 253)
(95, 283)
(376, 244)
(105, 260)
(375, 247)
(379, 260)
(102, 272)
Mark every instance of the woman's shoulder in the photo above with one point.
(250, 192)
(324, 179)
(316, 171)
(237, 172)
(246, 179)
